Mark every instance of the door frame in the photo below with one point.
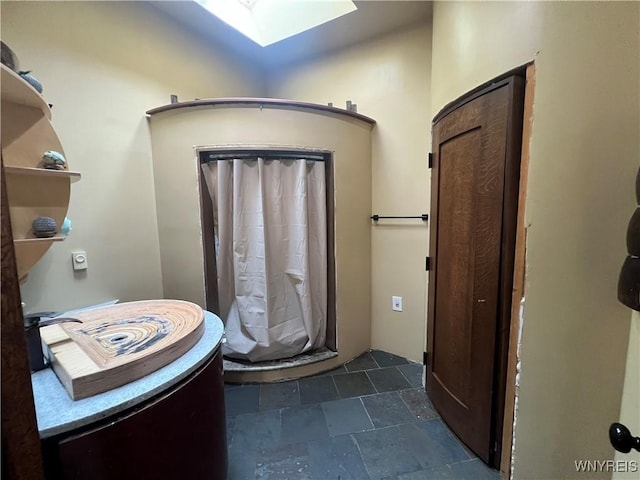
(518, 277)
(512, 258)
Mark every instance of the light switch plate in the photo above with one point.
(79, 260)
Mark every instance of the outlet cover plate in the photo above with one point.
(396, 303)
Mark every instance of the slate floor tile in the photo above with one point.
(470, 454)
(303, 424)
(439, 473)
(231, 426)
(334, 371)
(317, 389)
(388, 379)
(473, 470)
(385, 359)
(252, 431)
(336, 458)
(385, 453)
(353, 384)
(371, 420)
(413, 373)
(257, 430)
(279, 395)
(386, 409)
(242, 400)
(419, 404)
(363, 362)
(283, 462)
(346, 416)
(241, 464)
(432, 443)
(468, 470)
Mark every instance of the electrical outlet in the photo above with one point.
(396, 304)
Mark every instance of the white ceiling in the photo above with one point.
(373, 18)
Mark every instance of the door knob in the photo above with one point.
(621, 438)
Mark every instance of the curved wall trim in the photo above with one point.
(259, 102)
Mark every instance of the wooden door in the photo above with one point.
(474, 183)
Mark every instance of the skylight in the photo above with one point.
(269, 21)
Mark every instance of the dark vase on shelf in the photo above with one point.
(9, 59)
(629, 280)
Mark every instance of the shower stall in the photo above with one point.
(264, 218)
(295, 179)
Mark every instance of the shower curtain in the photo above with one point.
(271, 251)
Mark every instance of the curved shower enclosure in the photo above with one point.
(263, 216)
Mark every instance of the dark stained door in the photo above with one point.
(474, 182)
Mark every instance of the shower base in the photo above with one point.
(241, 371)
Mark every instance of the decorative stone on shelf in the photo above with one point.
(31, 80)
(44, 227)
(54, 160)
(65, 229)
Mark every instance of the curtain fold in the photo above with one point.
(271, 232)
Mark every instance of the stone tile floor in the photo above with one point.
(369, 419)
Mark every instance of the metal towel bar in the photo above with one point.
(376, 217)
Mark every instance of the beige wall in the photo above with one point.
(629, 411)
(103, 64)
(174, 135)
(584, 155)
(388, 79)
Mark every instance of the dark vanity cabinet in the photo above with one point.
(179, 434)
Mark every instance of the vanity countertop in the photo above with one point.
(57, 413)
